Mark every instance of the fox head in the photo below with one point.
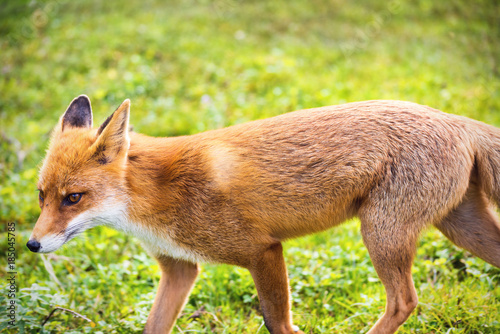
(81, 181)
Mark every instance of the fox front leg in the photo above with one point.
(177, 280)
(269, 273)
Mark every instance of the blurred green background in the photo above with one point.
(190, 66)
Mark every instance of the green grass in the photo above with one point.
(195, 65)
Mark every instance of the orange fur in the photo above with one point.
(233, 195)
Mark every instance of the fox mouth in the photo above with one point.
(73, 233)
(75, 228)
(51, 242)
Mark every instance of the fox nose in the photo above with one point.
(33, 245)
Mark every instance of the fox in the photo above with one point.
(234, 195)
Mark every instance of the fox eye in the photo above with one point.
(73, 198)
(40, 197)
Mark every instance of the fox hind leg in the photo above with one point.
(392, 249)
(473, 226)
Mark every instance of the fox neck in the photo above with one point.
(162, 176)
(159, 172)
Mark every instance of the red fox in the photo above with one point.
(233, 195)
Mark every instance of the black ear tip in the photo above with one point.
(79, 113)
(82, 100)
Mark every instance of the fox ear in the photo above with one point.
(112, 136)
(78, 114)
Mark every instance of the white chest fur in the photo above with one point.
(162, 244)
(155, 242)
